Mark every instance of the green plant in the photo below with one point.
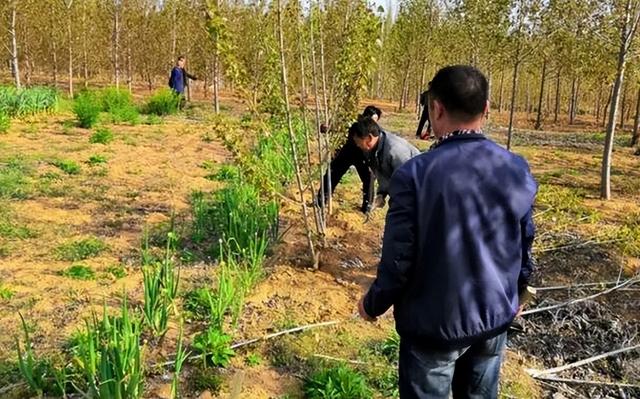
(6, 293)
(79, 272)
(96, 159)
(162, 102)
(153, 120)
(67, 166)
(28, 363)
(118, 103)
(339, 382)
(5, 122)
(227, 173)
(81, 249)
(27, 101)
(205, 379)
(214, 346)
(181, 357)
(390, 348)
(108, 355)
(253, 359)
(117, 271)
(196, 302)
(160, 282)
(101, 136)
(15, 182)
(87, 108)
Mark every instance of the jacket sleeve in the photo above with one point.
(528, 233)
(189, 76)
(397, 248)
(172, 78)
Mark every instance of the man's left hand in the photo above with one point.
(363, 313)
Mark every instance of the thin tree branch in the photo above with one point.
(578, 300)
(537, 373)
(587, 382)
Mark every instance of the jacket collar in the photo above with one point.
(457, 136)
(382, 141)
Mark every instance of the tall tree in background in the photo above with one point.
(628, 13)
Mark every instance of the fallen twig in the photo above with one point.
(578, 245)
(11, 387)
(572, 286)
(289, 331)
(586, 382)
(337, 359)
(577, 300)
(537, 373)
(263, 338)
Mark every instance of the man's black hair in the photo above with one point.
(371, 110)
(364, 127)
(462, 89)
(181, 57)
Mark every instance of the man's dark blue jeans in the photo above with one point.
(471, 372)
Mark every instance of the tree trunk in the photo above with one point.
(216, 82)
(54, 54)
(556, 111)
(538, 125)
(294, 152)
(70, 40)
(527, 99)
(15, 67)
(174, 33)
(129, 70)
(605, 183)
(636, 122)
(85, 57)
(423, 73)
(514, 90)
(501, 91)
(623, 110)
(405, 79)
(116, 44)
(572, 101)
(606, 108)
(598, 105)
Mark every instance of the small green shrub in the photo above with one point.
(67, 166)
(196, 302)
(153, 120)
(253, 359)
(81, 249)
(215, 346)
(205, 379)
(87, 108)
(5, 122)
(14, 179)
(6, 293)
(101, 136)
(118, 103)
(96, 159)
(227, 173)
(79, 272)
(117, 271)
(162, 102)
(27, 101)
(340, 382)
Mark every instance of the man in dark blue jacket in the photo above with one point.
(179, 79)
(456, 251)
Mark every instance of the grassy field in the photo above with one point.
(81, 210)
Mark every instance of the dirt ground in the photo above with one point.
(150, 174)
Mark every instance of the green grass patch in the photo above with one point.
(87, 109)
(27, 101)
(118, 104)
(153, 120)
(67, 166)
(6, 293)
(101, 136)
(80, 249)
(162, 102)
(5, 122)
(79, 272)
(336, 382)
(15, 181)
(563, 205)
(96, 159)
(117, 271)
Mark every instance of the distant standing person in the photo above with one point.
(179, 79)
(456, 254)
